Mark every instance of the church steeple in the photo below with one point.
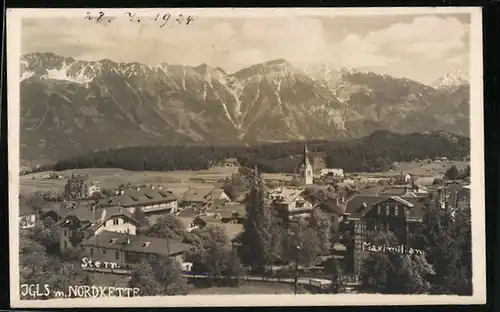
(306, 173)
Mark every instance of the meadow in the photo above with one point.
(176, 181)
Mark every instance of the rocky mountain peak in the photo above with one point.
(452, 79)
(69, 104)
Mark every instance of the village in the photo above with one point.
(107, 224)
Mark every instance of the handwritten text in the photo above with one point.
(162, 19)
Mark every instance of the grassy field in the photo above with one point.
(176, 181)
(179, 181)
(418, 168)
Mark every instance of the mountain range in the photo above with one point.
(70, 106)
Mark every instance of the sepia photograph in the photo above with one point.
(245, 157)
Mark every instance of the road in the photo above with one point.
(302, 281)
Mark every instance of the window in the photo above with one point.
(104, 251)
(65, 244)
(115, 221)
(91, 251)
(396, 211)
(378, 209)
(117, 255)
(65, 232)
(387, 210)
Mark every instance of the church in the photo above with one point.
(306, 169)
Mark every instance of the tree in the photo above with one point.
(161, 276)
(256, 237)
(301, 244)
(319, 194)
(216, 256)
(45, 233)
(167, 226)
(446, 239)
(452, 173)
(320, 223)
(392, 272)
(140, 216)
(36, 265)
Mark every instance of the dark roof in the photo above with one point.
(208, 219)
(361, 204)
(228, 210)
(134, 197)
(188, 212)
(84, 213)
(195, 195)
(138, 243)
(113, 212)
(332, 206)
(79, 177)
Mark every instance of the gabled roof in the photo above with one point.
(215, 193)
(195, 195)
(187, 212)
(186, 221)
(137, 243)
(134, 197)
(111, 212)
(360, 205)
(285, 195)
(85, 214)
(82, 212)
(331, 206)
(229, 209)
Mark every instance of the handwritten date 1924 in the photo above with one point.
(162, 19)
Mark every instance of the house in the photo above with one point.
(336, 173)
(404, 190)
(228, 213)
(86, 221)
(403, 178)
(79, 187)
(191, 223)
(27, 216)
(367, 213)
(290, 202)
(195, 198)
(217, 194)
(127, 250)
(188, 213)
(334, 208)
(151, 200)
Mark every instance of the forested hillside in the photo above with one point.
(373, 153)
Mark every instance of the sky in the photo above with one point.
(419, 47)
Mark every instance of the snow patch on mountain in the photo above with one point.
(450, 80)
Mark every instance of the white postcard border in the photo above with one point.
(13, 19)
